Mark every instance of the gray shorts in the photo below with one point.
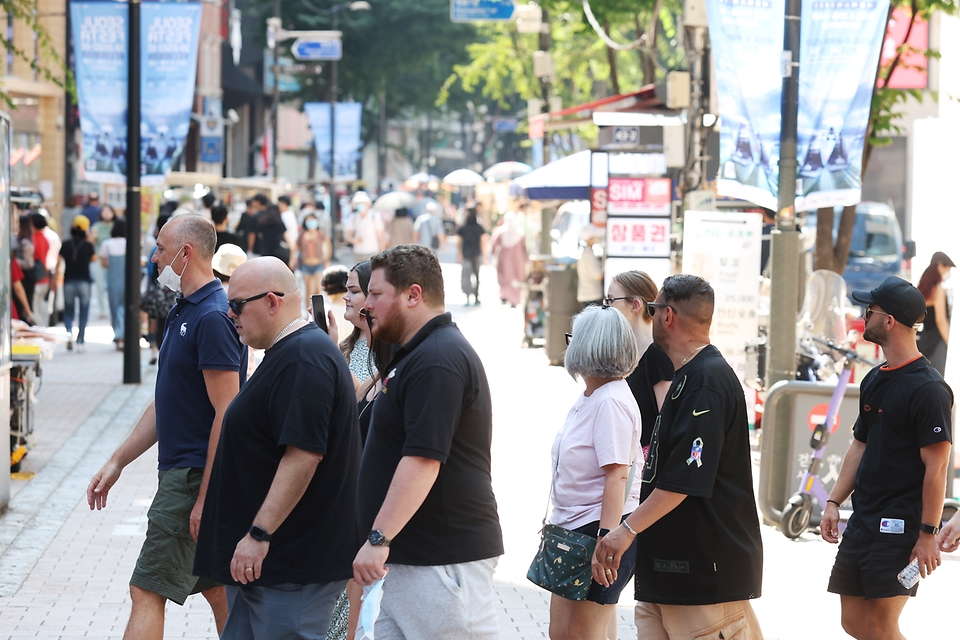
(165, 565)
(283, 611)
(452, 601)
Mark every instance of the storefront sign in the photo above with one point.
(347, 140)
(638, 196)
(724, 248)
(598, 206)
(638, 237)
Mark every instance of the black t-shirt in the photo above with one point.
(248, 224)
(470, 235)
(435, 403)
(76, 259)
(301, 395)
(655, 367)
(225, 237)
(272, 242)
(901, 411)
(708, 549)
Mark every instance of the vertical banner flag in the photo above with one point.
(168, 58)
(839, 51)
(348, 136)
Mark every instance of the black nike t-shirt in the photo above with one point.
(902, 410)
(708, 549)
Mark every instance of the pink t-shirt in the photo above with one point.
(600, 430)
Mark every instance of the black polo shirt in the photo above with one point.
(655, 366)
(708, 549)
(902, 410)
(435, 403)
(302, 396)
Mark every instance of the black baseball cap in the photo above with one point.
(897, 297)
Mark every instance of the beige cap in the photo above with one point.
(227, 258)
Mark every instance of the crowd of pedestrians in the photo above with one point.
(292, 481)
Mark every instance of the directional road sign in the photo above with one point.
(481, 10)
(310, 49)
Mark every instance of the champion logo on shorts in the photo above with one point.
(183, 329)
(937, 429)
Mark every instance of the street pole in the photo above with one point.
(545, 81)
(276, 95)
(131, 301)
(785, 252)
(334, 204)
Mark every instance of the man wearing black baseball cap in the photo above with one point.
(896, 469)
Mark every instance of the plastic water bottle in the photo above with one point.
(910, 575)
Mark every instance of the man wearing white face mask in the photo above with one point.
(197, 378)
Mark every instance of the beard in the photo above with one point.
(659, 338)
(876, 334)
(390, 327)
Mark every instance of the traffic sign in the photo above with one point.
(481, 10)
(307, 49)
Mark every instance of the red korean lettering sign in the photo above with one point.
(639, 196)
(638, 237)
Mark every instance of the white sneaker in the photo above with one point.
(81, 348)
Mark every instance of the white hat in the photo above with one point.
(431, 207)
(227, 258)
(361, 196)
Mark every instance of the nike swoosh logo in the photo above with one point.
(700, 413)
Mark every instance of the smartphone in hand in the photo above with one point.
(319, 314)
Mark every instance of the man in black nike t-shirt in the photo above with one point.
(896, 468)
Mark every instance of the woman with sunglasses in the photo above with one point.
(629, 293)
(592, 458)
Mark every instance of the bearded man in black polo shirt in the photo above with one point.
(425, 494)
(699, 555)
(896, 468)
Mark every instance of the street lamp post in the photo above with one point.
(131, 297)
(360, 5)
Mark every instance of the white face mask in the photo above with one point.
(168, 277)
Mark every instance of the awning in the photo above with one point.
(565, 179)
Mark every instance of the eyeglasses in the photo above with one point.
(653, 306)
(237, 305)
(569, 337)
(867, 312)
(608, 302)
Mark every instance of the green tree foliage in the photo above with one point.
(885, 114)
(44, 61)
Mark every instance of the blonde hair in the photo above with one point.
(638, 284)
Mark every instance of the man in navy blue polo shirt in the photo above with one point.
(197, 377)
(424, 495)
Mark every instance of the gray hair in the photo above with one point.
(197, 231)
(603, 345)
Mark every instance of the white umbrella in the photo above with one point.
(463, 178)
(503, 171)
(390, 202)
(422, 178)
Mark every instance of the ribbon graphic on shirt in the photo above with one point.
(696, 451)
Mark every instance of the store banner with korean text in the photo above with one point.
(348, 136)
(630, 196)
(724, 248)
(170, 33)
(839, 52)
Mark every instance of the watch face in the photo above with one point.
(376, 538)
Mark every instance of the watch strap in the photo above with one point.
(259, 534)
(930, 529)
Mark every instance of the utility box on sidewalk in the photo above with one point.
(561, 305)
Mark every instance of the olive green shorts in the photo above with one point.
(165, 565)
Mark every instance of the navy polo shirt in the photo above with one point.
(199, 337)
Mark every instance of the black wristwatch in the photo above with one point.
(377, 539)
(258, 534)
(929, 528)
(603, 532)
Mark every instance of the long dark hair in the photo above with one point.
(931, 275)
(381, 353)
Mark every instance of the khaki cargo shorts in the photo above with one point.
(165, 565)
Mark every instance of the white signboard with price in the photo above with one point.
(724, 248)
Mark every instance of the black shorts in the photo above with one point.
(867, 568)
(628, 563)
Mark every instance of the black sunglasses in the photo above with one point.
(653, 306)
(237, 305)
(867, 312)
(608, 302)
(568, 337)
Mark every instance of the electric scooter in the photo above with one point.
(796, 516)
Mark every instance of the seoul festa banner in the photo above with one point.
(348, 136)
(839, 51)
(169, 38)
